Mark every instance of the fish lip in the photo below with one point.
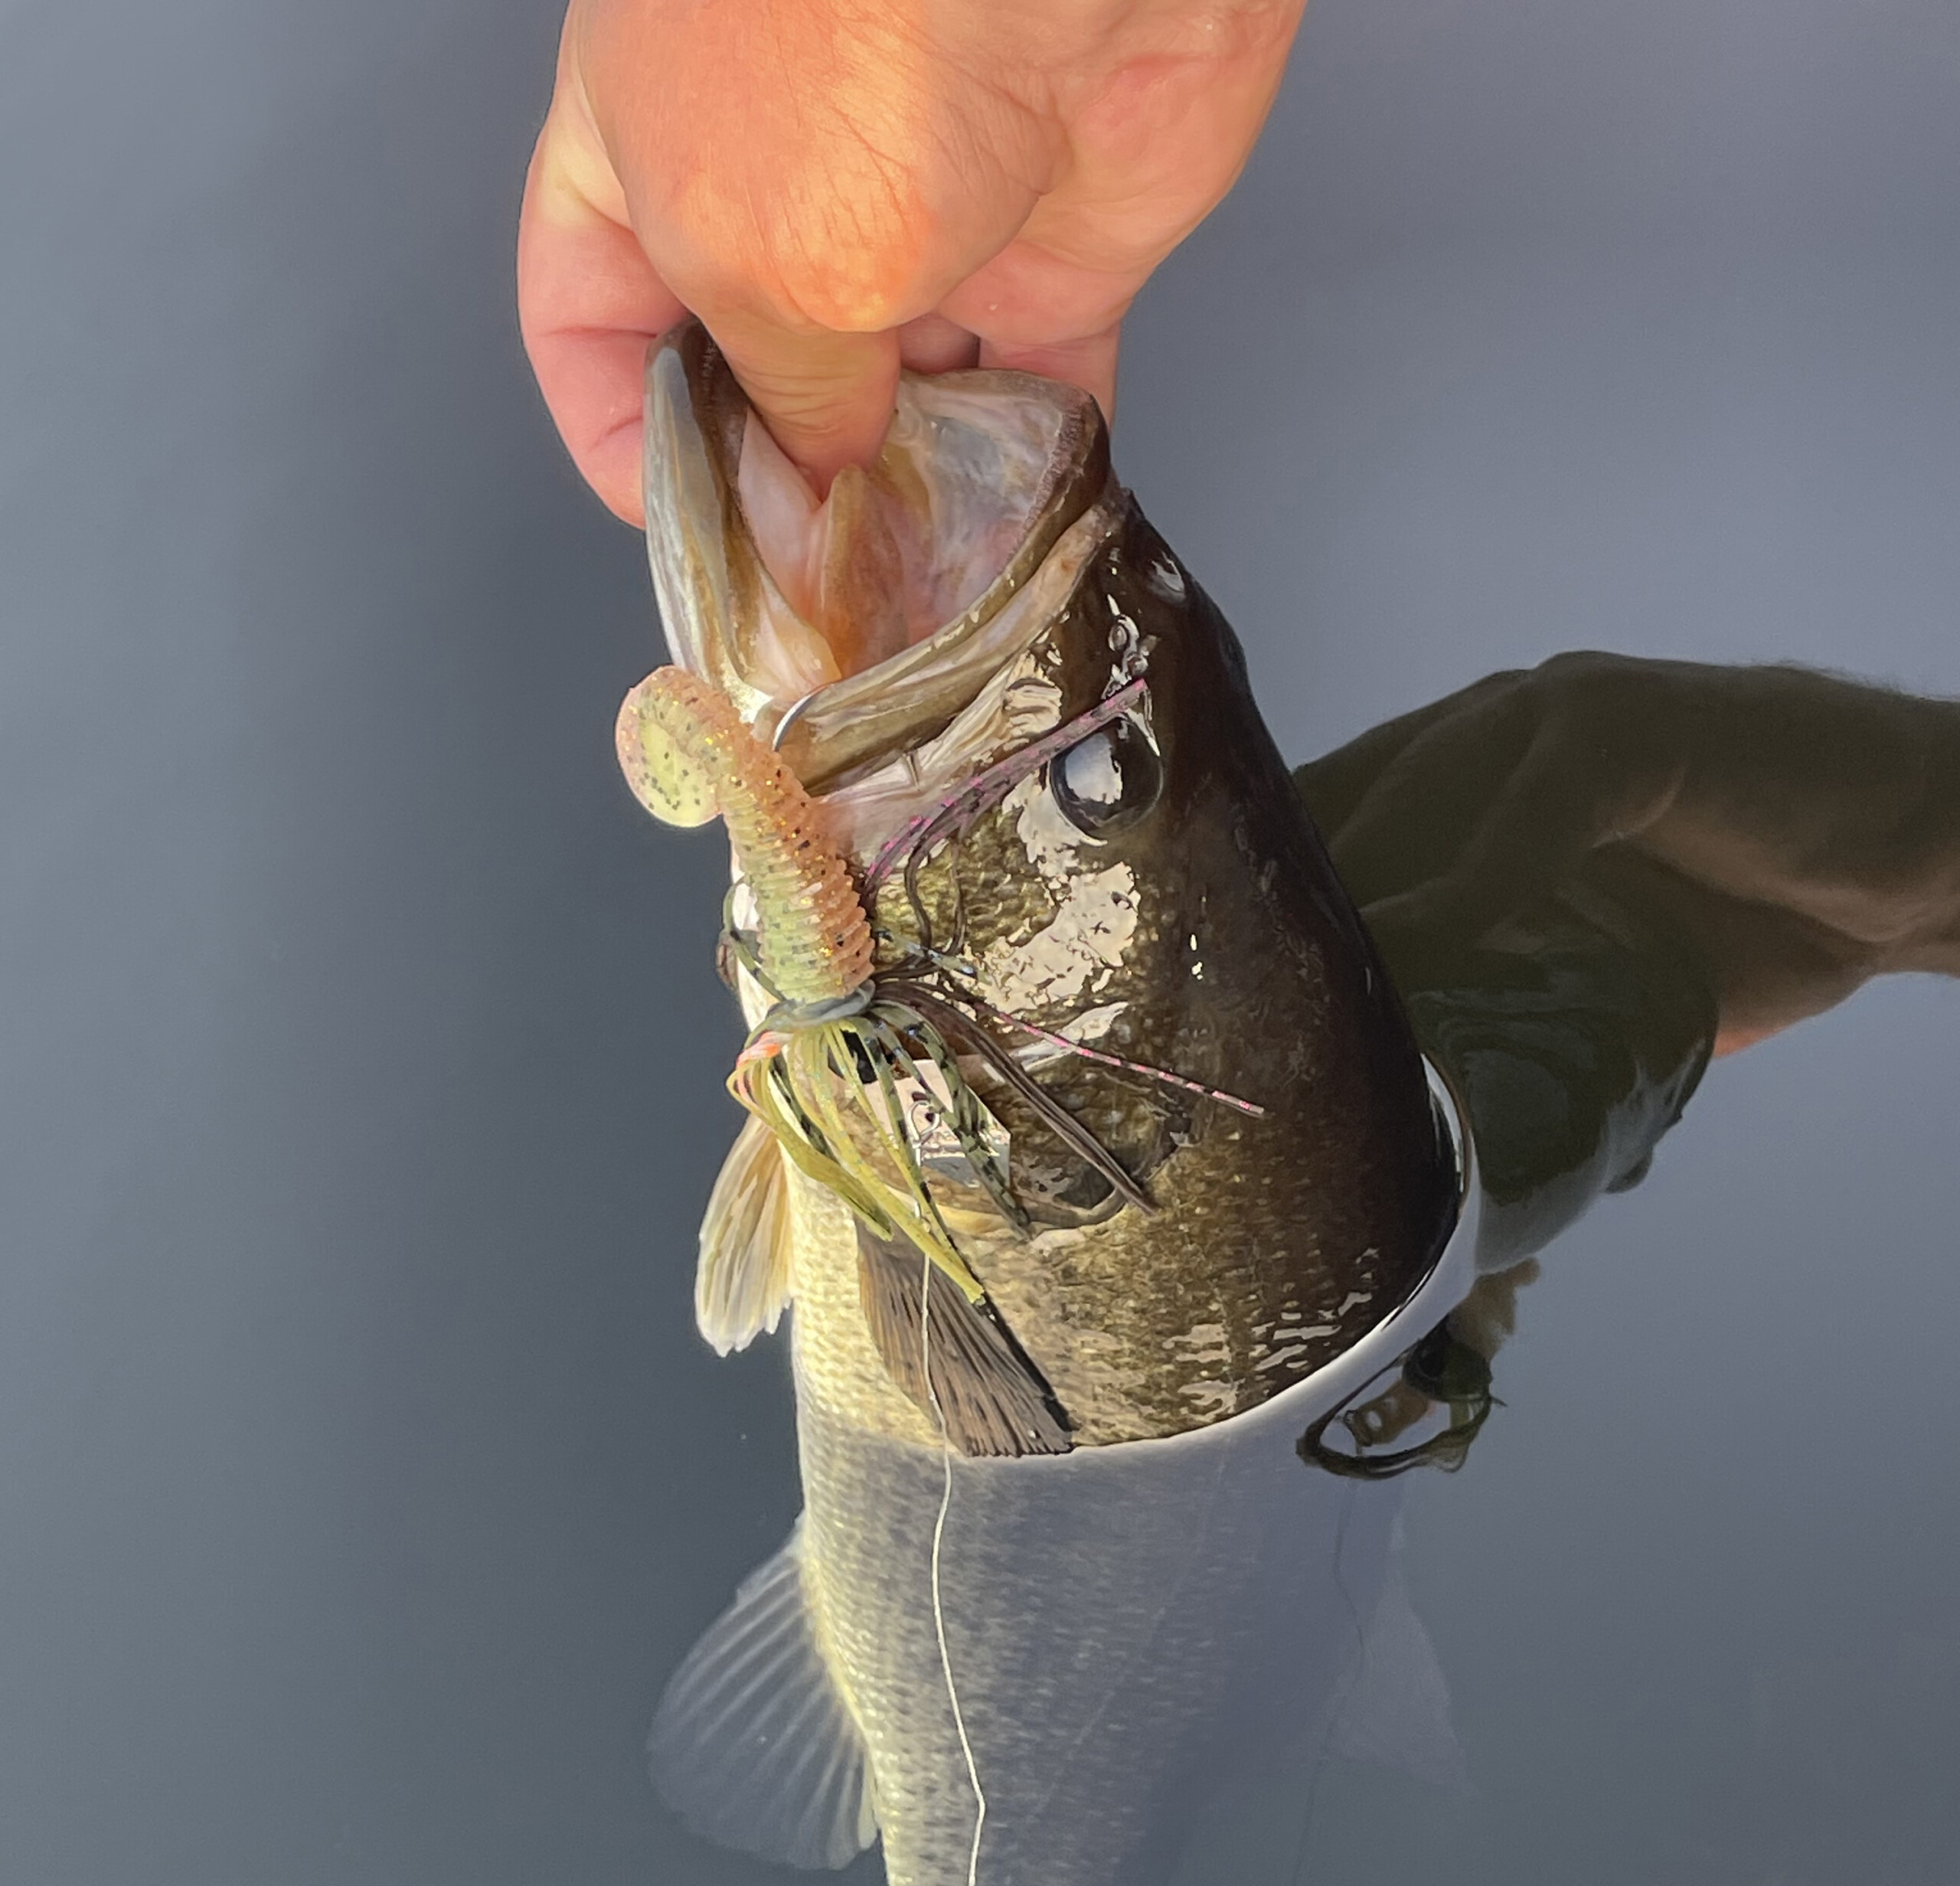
(708, 575)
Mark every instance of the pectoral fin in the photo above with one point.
(753, 1745)
(994, 1400)
(742, 1280)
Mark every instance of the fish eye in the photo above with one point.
(1107, 781)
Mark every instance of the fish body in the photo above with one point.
(1119, 1154)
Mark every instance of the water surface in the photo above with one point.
(361, 1477)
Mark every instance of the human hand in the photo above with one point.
(838, 188)
(1800, 832)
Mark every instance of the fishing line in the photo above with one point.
(939, 1541)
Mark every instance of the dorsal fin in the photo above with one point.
(753, 1745)
(742, 1280)
(995, 1400)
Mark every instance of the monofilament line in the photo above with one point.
(939, 1543)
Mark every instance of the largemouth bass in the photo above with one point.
(1086, 1120)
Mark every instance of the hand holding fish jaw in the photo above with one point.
(839, 187)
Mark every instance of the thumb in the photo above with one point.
(828, 397)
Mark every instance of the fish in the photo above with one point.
(1086, 1128)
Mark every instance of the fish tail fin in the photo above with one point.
(753, 1745)
(742, 1280)
(1397, 1713)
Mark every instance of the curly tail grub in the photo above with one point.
(688, 756)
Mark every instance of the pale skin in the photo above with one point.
(840, 188)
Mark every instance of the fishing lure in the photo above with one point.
(829, 1068)
(822, 1069)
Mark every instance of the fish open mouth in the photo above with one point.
(852, 630)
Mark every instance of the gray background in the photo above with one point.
(360, 1477)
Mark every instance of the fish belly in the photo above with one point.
(1122, 1632)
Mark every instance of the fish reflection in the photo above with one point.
(1583, 881)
